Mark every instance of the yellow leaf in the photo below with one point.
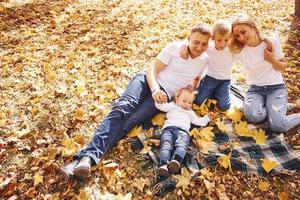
(184, 179)
(135, 131)
(79, 114)
(205, 145)
(259, 136)
(263, 186)
(3, 122)
(159, 119)
(221, 126)
(268, 165)
(70, 148)
(234, 114)
(201, 110)
(38, 179)
(282, 196)
(242, 129)
(224, 161)
(146, 148)
(207, 134)
(206, 173)
(83, 195)
(194, 133)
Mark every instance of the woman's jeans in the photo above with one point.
(268, 103)
(174, 141)
(214, 88)
(134, 107)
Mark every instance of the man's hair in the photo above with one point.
(222, 27)
(204, 30)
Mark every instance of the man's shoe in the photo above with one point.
(174, 166)
(83, 168)
(162, 171)
(67, 170)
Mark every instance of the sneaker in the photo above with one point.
(163, 171)
(83, 168)
(67, 170)
(174, 166)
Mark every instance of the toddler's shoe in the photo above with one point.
(162, 171)
(174, 166)
(83, 168)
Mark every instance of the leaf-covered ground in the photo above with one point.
(62, 63)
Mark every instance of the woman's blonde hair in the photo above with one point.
(242, 19)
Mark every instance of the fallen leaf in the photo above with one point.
(184, 179)
(259, 136)
(263, 186)
(79, 114)
(268, 165)
(242, 129)
(207, 134)
(135, 131)
(282, 196)
(234, 114)
(37, 179)
(224, 161)
(159, 119)
(221, 125)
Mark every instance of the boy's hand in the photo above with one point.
(184, 52)
(159, 96)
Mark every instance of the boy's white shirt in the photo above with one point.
(220, 62)
(179, 117)
(259, 71)
(179, 72)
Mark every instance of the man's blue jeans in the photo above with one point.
(174, 141)
(134, 107)
(268, 103)
(214, 88)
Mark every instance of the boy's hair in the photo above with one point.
(204, 30)
(222, 27)
(242, 19)
(185, 89)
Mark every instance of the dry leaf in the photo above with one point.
(184, 179)
(259, 136)
(263, 186)
(79, 114)
(38, 179)
(135, 131)
(221, 126)
(224, 161)
(70, 148)
(282, 196)
(159, 119)
(234, 114)
(242, 129)
(207, 134)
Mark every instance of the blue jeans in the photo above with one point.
(214, 88)
(268, 103)
(134, 107)
(174, 141)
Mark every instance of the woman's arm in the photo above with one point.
(279, 65)
(158, 95)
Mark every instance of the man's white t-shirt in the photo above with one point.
(179, 72)
(179, 117)
(259, 71)
(220, 62)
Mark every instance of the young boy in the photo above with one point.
(175, 137)
(217, 80)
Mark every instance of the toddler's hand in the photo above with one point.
(184, 53)
(211, 115)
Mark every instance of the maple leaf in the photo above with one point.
(282, 196)
(205, 146)
(206, 173)
(79, 114)
(207, 134)
(242, 129)
(38, 179)
(259, 136)
(263, 186)
(224, 161)
(159, 119)
(135, 131)
(221, 126)
(184, 178)
(194, 133)
(234, 114)
(268, 165)
(70, 147)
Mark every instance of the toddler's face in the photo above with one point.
(185, 100)
(221, 41)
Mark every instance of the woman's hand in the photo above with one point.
(159, 96)
(268, 56)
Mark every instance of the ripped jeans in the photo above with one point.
(269, 103)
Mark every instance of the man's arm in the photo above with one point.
(158, 95)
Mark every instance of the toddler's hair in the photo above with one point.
(201, 28)
(185, 89)
(222, 27)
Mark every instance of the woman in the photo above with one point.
(266, 98)
(168, 73)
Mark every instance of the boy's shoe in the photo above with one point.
(67, 170)
(163, 171)
(174, 166)
(83, 169)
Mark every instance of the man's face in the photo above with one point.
(198, 43)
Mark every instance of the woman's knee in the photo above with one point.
(254, 117)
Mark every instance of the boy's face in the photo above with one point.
(185, 100)
(198, 43)
(221, 41)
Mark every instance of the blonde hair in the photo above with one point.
(177, 94)
(222, 27)
(243, 19)
(201, 28)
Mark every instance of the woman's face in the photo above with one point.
(245, 35)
